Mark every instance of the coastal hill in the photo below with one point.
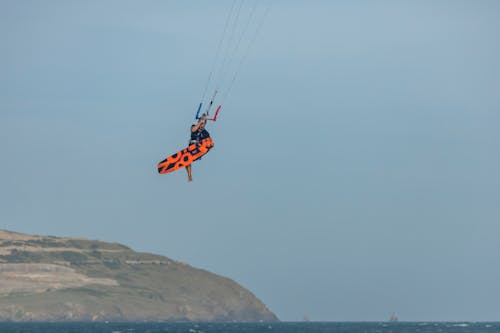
(45, 278)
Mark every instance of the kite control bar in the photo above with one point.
(198, 112)
(215, 115)
(207, 112)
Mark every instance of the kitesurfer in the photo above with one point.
(198, 133)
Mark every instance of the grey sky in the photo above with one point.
(356, 162)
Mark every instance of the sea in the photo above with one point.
(281, 327)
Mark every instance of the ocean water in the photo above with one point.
(302, 327)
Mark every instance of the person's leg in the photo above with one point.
(188, 169)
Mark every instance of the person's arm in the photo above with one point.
(197, 126)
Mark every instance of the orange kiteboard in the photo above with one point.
(186, 156)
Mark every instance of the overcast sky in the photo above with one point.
(356, 162)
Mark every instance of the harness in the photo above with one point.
(199, 135)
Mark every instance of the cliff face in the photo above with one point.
(74, 279)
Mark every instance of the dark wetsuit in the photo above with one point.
(199, 135)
